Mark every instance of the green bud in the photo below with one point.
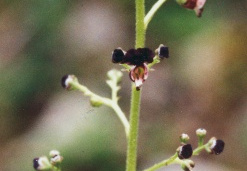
(95, 102)
(201, 132)
(184, 138)
(54, 153)
(115, 75)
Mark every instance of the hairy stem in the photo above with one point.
(163, 163)
(135, 95)
(122, 117)
(152, 11)
(140, 28)
(108, 102)
(133, 135)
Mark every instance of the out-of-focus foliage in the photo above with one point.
(202, 84)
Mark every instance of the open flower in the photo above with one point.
(138, 60)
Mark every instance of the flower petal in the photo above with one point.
(138, 74)
(117, 55)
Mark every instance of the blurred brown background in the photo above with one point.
(202, 84)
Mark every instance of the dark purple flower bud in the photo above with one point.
(217, 146)
(117, 55)
(63, 81)
(67, 80)
(138, 74)
(35, 163)
(163, 51)
(185, 151)
(41, 163)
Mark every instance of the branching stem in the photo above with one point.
(106, 101)
(153, 10)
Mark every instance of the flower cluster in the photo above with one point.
(138, 60)
(185, 151)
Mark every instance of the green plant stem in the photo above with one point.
(140, 28)
(122, 118)
(87, 92)
(163, 163)
(108, 102)
(156, 60)
(199, 149)
(175, 160)
(135, 95)
(152, 11)
(200, 141)
(134, 124)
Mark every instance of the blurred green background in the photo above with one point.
(202, 84)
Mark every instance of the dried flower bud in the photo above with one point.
(217, 146)
(184, 138)
(185, 151)
(118, 55)
(201, 132)
(41, 163)
(162, 51)
(67, 80)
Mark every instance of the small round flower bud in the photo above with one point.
(162, 51)
(117, 55)
(185, 151)
(114, 75)
(201, 132)
(217, 146)
(95, 102)
(41, 163)
(184, 138)
(67, 80)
